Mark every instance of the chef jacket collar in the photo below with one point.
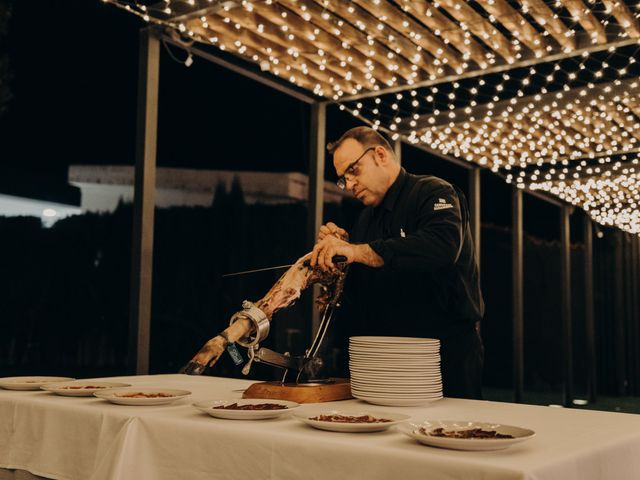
(391, 197)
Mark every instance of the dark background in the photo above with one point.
(71, 72)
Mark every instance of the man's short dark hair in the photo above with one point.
(367, 136)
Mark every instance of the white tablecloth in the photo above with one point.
(90, 439)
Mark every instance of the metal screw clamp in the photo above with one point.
(258, 318)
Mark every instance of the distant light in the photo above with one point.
(49, 212)
(580, 401)
(553, 405)
(599, 234)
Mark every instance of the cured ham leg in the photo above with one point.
(282, 295)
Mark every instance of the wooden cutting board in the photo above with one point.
(338, 389)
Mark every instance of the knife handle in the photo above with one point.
(334, 259)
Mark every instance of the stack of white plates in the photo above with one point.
(400, 371)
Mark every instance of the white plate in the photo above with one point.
(418, 373)
(397, 396)
(436, 382)
(115, 395)
(519, 434)
(413, 369)
(367, 340)
(79, 388)
(393, 375)
(393, 364)
(400, 352)
(397, 402)
(435, 352)
(396, 350)
(307, 414)
(29, 383)
(420, 377)
(381, 359)
(396, 389)
(363, 382)
(208, 407)
(380, 355)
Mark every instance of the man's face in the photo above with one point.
(366, 179)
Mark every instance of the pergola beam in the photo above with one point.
(307, 76)
(439, 23)
(623, 15)
(266, 80)
(603, 168)
(477, 113)
(551, 23)
(399, 46)
(584, 46)
(356, 38)
(480, 27)
(405, 24)
(514, 22)
(589, 22)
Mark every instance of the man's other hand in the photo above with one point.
(332, 229)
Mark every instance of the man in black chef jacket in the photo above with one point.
(414, 269)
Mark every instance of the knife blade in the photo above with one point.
(335, 259)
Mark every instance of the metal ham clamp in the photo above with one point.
(250, 326)
(308, 363)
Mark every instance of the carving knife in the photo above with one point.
(335, 259)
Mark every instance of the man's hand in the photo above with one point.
(327, 248)
(332, 229)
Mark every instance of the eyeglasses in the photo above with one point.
(350, 171)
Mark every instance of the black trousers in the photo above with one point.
(462, 358)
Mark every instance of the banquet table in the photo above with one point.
(72, 438)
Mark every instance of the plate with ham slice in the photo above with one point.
(466, 435)
(81, 388)
(142, 395)
(29, 383)
(246, 409)
(349, 421)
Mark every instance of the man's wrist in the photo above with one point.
(364, 254)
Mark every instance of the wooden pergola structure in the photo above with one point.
(544, 93)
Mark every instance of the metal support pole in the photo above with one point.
(567, 338)
(144, 202)
(631, 338)
(635, 313)
(474, 207)
(397, 150)
(518, 295)
(317, 136)
(590, 328)
(618, 316)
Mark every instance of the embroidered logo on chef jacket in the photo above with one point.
(441, 204)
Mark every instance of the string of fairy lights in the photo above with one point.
(389, 57)
(544, 93)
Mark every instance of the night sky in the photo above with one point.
(75, 82)
(74, 67)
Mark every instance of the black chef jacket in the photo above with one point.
(429, 285)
